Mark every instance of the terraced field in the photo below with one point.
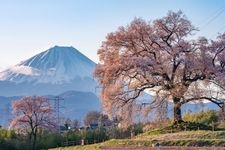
(185, 140)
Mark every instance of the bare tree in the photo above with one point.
(159, 57)
(31, 114)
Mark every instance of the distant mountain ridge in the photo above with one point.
(75, 105)
(53, 71)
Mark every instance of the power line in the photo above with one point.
(208, 20)
(217, 33)
(211, 19)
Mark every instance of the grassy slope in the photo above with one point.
(184, 138)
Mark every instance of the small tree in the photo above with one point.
(95, 117)
(31, 114)
(91, 118)
(71, 124)
(159, 57)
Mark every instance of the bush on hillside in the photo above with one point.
(209, 117)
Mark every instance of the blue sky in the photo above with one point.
(28, 27)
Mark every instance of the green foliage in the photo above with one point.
(6, 134)
(155, 124)
(10, 140)
(94, 136)
(119, 133)
(183, 126)
(204, 117)
(49, 139)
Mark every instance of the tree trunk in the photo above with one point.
(34, 139)
(177, 117)
(34, 142)
(30, 142)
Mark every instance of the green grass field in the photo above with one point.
(184, 138)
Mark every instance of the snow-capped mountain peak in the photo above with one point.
(56, 65)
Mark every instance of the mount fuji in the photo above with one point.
(54, 71)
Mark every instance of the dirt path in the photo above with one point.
(165, 148)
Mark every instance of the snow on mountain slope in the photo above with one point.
(53, 71)
(57, 65)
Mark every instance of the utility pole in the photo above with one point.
(57, 107)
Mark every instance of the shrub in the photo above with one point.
(208, 117)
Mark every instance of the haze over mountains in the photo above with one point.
(58, 71)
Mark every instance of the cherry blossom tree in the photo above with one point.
(32, 114)
(159, 57)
